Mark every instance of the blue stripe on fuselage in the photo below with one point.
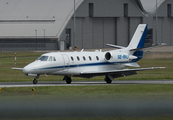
(81, 65)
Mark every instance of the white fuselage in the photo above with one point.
(73, 63)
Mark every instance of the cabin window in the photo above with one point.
(50, 58)
(97, 57)
(42, 58)
(84, 58)
(78, 58)
(72, 59)
(90, 57)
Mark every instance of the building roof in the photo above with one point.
(31, 18)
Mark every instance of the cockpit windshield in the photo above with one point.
(46, 58)
(42, 58)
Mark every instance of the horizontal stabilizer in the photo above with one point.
(115, 46)
(17, 68)
(147, 48)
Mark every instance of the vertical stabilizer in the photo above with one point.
(138, 39)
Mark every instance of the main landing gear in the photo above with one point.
(67, 79)
(35, 79)
(108, 80)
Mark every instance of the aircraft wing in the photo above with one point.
(119, 73)
(17, 68)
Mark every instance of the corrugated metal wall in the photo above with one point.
(115, 21)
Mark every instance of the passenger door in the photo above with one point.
(66, 62)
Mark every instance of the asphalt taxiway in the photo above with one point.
(82, 83)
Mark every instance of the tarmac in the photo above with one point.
(82, 83)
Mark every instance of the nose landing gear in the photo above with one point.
(35, 79)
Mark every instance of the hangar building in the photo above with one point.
(49, 25)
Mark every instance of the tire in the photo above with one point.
(108, 81)
(68, 80)
(35, 81)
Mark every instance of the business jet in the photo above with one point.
(85, 64)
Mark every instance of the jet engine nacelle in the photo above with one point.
(117, 57)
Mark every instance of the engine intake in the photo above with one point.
(118, 57)
(108, 56)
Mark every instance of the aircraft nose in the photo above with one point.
(26, 70)
(29, 69)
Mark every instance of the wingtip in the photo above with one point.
(162, 67)
(158, 67)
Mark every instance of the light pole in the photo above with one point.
(74, 31)
(44, 39)
(156, 22)
(36, 38)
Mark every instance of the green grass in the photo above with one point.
(23, 58)
(101, 92)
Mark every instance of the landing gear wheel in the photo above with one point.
(108, 80)
(35, 81)
(68, 80)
